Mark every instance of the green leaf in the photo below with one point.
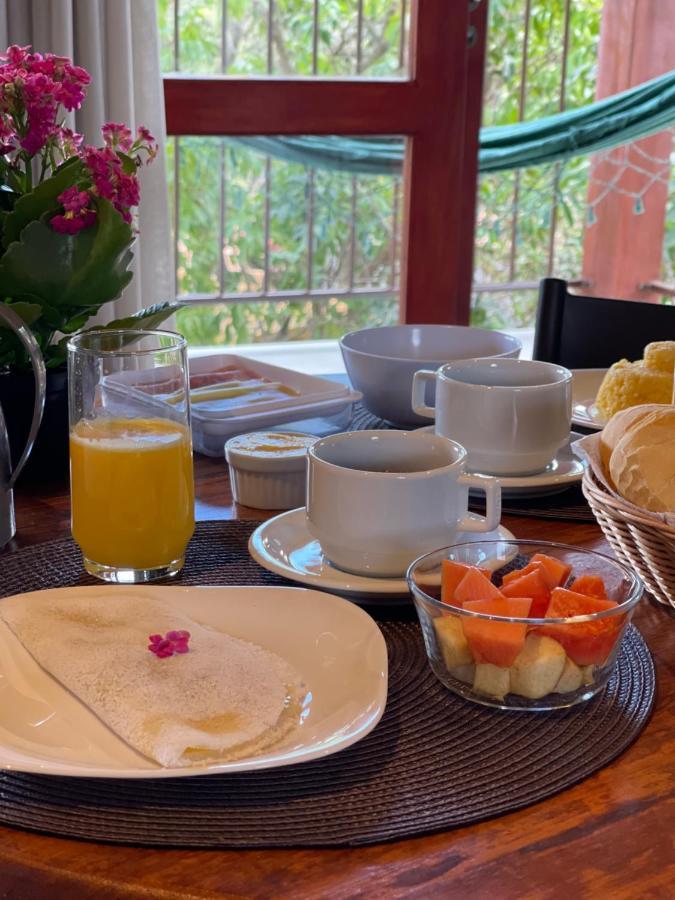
(63, 271)
(29, 312)
(40, 200)
(149, 318)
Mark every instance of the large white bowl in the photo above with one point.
(381, 361)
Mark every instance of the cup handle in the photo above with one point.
(420, 379)
(493, 503)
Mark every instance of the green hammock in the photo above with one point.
(616, 120)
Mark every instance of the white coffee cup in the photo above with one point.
(511, 415)
(376, 500)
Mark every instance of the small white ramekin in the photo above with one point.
(268, 469)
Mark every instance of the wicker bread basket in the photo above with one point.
(638, 538)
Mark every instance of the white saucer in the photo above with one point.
(284, 545)
(565, 470)
(585, 386)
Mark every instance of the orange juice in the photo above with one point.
(132, 491)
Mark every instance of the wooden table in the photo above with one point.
(611, 836)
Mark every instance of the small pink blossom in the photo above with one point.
(117, 135)
(78, 213)
(173, 642)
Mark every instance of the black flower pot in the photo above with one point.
(48, 460)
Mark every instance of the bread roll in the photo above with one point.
(621, 423)
(642, 464)
(632, 383)
(660, 355)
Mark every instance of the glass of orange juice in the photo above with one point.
(131, 481)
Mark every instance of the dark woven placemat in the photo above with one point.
(433, 762)
(568, 504)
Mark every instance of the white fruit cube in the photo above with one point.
(538, 667)
(464, 673)
(588, 674)
(571, 678)
(492, 680)
(453, 644)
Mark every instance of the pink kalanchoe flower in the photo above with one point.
(71, 224)
(78, 214)
(117, 135)
(15, 55)
(145, 141)
(69, 142)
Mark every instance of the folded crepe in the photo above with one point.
(223, 699)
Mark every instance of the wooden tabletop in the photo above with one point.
(611, 836)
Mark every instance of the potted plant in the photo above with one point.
(66, 232)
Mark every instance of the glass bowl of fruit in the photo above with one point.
(524, 625)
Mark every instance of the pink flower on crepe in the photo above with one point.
(173, 642)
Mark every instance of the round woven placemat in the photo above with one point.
(432, 763)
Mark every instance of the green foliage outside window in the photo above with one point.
(239, 266)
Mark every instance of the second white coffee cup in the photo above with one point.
(511, 415)
(376, 500)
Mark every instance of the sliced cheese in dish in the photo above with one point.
(224, 699)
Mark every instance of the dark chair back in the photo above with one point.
(594, 332)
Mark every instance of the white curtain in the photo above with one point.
(117, 42)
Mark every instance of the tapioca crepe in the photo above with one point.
(223, 699)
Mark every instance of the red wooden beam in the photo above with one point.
(434, 229)
(624, 250)
(252, 106)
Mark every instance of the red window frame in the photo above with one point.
(437, 109)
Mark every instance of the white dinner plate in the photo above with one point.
(585, 386)
(336, 647)
(285, 546)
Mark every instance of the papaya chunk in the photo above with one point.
(530, 585)
(586, 643)
(475, 586)
(498, 643)
(555, 571)
(591, 585)
(451, 574)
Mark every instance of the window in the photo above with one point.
(283, 250)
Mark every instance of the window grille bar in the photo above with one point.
(266, 262)
(352, 235)
(359, 38)
(402, 38)
(310, 229)
(521, 113)
(394, 236)
(270, 26)
(196, 299)
(557, 167)
(222, 173)
(176, 35)
(319, 294)
(221, 218)
(223, 37)
(315, 37)
(176, 209)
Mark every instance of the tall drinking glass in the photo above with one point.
(131, 481)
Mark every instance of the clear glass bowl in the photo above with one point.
(563, 661)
